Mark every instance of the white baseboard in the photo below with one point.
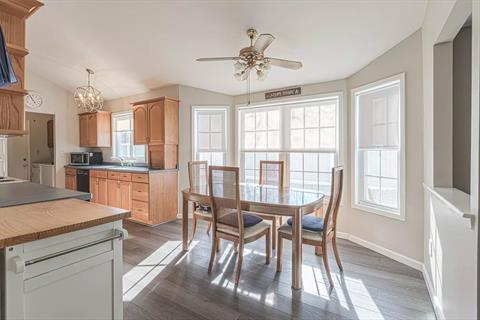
(431, 292)
(383, 251)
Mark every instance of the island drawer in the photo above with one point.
(140, 177)
(140, 191)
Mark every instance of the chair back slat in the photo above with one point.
(224, 186)
(271, 173)
(330, 219)
(198, 174)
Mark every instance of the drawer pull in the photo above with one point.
(121, 234)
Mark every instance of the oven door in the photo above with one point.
(80, 158)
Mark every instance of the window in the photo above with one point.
(378, 148)
(210, 135)
(304, 134)
(122, 135)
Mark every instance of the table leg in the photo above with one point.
(297, 250)
(185, 224)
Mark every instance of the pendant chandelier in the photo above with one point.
(88, 98)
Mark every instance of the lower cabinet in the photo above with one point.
(151, 197)
(76, 275)
(70, 179)
(98, 186)
(155, 197)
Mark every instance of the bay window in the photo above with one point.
(378, 147)
(210, 135)
(304, 134)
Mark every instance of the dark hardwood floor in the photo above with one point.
(162, 282)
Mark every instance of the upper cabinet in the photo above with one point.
(155, 123)
(140, 116)
(95, 129)
(13, 15)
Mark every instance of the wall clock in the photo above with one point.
(33, 100)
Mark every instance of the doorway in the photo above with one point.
(32, 157)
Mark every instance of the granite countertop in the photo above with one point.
(141, 169)
(14, 194)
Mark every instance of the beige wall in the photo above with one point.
(59, 102)
(403, 237)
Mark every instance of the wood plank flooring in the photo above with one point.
(162, 282)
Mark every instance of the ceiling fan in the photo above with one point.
(253, 57)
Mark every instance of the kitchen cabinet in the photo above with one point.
(155, 124)
(13, 16)
(140, 118)
(76, 275)
(70, 179)
(119, 189)
(154, 197)
(98, 186)
(95, 129)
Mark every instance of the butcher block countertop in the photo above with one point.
(30, 222)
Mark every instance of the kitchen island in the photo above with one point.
(60, 256)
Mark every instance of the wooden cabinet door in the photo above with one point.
(125, 195)
(102, 193)
(83, 124)
(156, 123)
(70, 182)
(92, 130)
(93, 189)
(171, 121)
(140, 124)
(113, 193)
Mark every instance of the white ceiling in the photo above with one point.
(135, 46)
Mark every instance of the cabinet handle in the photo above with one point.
(18, 265)
(121, 234)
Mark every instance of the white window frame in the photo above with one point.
(114, 151)
(399, 213)
(340, 128)
(213, 109)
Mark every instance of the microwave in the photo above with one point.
(85, 158)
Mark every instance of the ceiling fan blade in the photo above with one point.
(289, 64)
(219, 59)
(262, 42)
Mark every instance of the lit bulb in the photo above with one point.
(239, 66)
(261, 75)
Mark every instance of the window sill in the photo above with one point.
(378, 211)
(455, 199)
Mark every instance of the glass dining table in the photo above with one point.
(289, 202)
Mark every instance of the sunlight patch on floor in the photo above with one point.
(138, 278)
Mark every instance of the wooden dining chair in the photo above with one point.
(317, 231)
(271, 173)
(229, 221)
(198, 178)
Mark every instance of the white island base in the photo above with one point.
(75, 275)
